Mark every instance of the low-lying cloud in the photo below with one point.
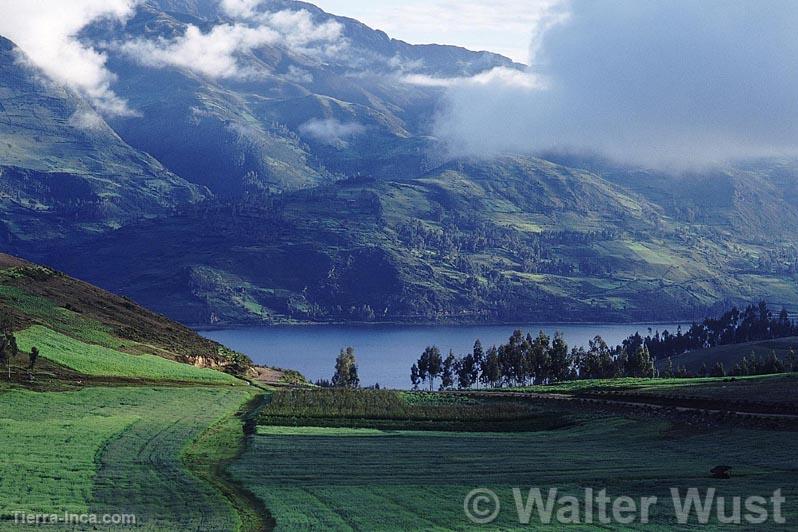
(331, 131)
(46, 31)
(662, 84)
(219, 53)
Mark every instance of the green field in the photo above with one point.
(363, 479)
(778, 388)
(99, 361)
(115, 450)
(384, 409)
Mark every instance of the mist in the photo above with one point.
(668, 85)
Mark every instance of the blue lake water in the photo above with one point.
(386, 352)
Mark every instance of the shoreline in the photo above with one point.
(431, 325)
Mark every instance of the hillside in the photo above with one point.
(81, 330)
(729, 355)
(285, 116)
(513, 239)
(63, 170)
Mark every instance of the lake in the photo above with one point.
(386, 352)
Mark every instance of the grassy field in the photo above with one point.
(116, 450)
(364, 479)
(96, 360)
(778, 388)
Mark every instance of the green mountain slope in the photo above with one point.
(508, 240)
(82, 331)
(63, 169)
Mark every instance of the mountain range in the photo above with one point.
(303, 182)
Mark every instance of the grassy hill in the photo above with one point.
(81, 330)
(125, 412)
(729, 355)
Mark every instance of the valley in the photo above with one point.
(264, 267)
(304, 186)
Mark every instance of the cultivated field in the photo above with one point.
(377, 478)
(115, 450)
(366, 479)
(385, 409)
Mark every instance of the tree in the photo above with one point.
(4, 356)
(447, 374)
(719, 370)
(346, 370)
(415, 379)
(538, 357)
(465, 372)
(479, 357)
(559, 359)
(430, 365)
(667, 371)
(491, 368)
(640, 363)
(8, 344)
(33, 356)
(791, 361)
(8, 350)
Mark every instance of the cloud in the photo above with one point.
(219, 52)
(298, 75)
(331, 131)
(240, 8)
(46, 31)
(87, 120)
(502, 76)
(663, 84)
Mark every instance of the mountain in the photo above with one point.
(314, 190)
(287, 117)
(515, 238)
(63, 170)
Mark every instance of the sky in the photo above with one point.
(501, 26)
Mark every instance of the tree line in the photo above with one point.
(528, 359)
(754, 323)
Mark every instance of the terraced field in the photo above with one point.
(364, 479)
(114, 450)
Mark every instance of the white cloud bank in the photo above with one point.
(46, 32)
(218, 53)
(664, 84)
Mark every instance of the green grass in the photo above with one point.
(779, 388)
(61, 319)
(112, 450)
(774, 388)
(96, 360)
(344, 479)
